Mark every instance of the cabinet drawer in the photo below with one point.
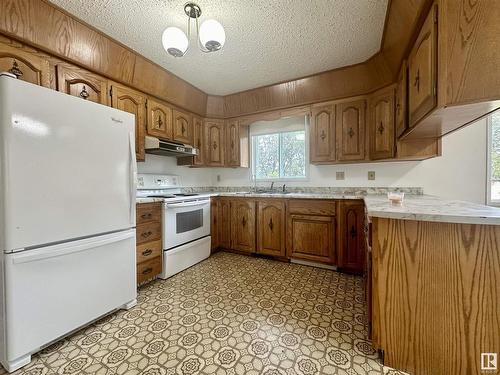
(148, 251)
(148, 270)
(311, 207)
(147, 212)
(148, 232)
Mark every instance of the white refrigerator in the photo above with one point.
(67, 216)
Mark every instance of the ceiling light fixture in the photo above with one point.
(210, 35)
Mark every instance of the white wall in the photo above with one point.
(459, 174)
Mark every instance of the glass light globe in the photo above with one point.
(212, 35)
(175, 41)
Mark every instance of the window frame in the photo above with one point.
(253, 174)
(489, 201)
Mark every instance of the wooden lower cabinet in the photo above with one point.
(271, 227)
(224, 223)
(243, 225)
(149, 249)
(351, 243)
(311, 237)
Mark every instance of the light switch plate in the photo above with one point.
(340, 175)
(371, 175)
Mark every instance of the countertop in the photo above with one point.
(414, 207)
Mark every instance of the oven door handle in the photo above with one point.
(188, 204)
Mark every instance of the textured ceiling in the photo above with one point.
(266, 41)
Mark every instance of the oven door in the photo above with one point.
(185, 222)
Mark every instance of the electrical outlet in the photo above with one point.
(371, 175)
(218, 178)
(340, 175)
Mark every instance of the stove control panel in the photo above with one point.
(157, 181)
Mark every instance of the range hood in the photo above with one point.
(159, 147)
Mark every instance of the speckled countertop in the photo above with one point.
(431, 208)
(414, 207)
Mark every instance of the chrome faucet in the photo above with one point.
(272, 186)
(284, 189)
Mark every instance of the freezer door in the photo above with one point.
(54, 290)
(68, 168)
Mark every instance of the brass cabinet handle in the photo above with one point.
(160, 123)
(417, 80)
(232, 144)
(323, 135)
(271, 225)
(183, 129)
(381, 128)
(353, 232)
(243, 221)
(146, 234)
(215, 145)
(147, 270)
(147, 252)
(84, 93)
(350, 133)
(146, 216)
(398, 108)
(15, 69)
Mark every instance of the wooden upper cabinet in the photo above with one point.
(159, 120)
(381, 125)
(402, 100)
(214, 143)
(232, 144)
(24, 65)
(350, 124)
(322, 137)
(422, 71)
(351, 248)
(243, 225)
(271, 227)
(134, 102)
(198, 133)
(82, 83)
(182, 127)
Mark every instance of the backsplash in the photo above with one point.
(312, 190)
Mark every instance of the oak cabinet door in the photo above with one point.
(182, 127)
(271, 227)
(422, 71)
(81, 83)
(198, 134)
(311, 238)
(351, 248)
(132, 101)
(214, 143)
(382, 135)
(159, 120)
(322, 137)
(243, 225)
(402, 101)
(232, 144)
(224, 223)
(351, 130)
(24, 65)
(214, 222)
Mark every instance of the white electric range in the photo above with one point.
(185, 221)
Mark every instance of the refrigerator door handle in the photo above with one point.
(132, 177)
(65, 249)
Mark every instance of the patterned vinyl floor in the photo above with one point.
(230, 314)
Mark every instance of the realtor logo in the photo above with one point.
(489, 361)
